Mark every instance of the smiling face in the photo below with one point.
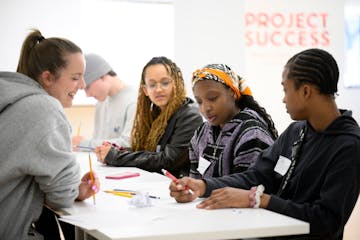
(70, 80)
(216, 102)
(158, 85)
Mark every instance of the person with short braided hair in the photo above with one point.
(164, 122)
(312, 171)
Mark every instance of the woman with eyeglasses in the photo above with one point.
(164, 122)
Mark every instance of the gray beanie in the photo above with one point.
(96, 67)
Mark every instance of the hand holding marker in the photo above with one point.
(172, 177)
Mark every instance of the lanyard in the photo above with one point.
(295, 153)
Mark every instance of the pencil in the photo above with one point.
(122, 194)
(132, 192)
(78, 130)
(92, 177)
(172, 177)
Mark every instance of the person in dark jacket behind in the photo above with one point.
(312, 171)
(165, 120)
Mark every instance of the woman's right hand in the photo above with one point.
(89, 186)
(187, 189)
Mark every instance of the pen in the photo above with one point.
(85, 147)
(172, 177)
(92, 177)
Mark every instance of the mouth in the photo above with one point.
(211, 118)
(72, 94)
(160, 97)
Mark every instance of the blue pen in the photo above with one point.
(85, 147)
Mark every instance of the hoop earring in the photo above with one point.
(151, 106)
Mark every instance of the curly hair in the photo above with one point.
(150, 122)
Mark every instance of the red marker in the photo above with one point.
(172, 177)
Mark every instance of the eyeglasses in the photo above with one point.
(163, 85)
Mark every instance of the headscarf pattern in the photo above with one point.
(225, 75)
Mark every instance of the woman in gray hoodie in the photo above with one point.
(37, 166)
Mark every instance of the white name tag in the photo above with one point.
(282, 165)
(203, 165)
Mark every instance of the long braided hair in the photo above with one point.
(250, 102)
(314, 66)
(150, 122)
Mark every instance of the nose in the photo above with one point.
(205, 107)
(158, 87)
(82, 83)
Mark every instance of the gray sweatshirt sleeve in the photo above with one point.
(57, 172)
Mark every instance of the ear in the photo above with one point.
(232, 93)
(145, 90)
(306, 91)
(46, 79)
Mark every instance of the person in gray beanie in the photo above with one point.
(115, 108)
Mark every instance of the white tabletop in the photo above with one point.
(113, 217)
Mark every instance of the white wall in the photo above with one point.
(209, 31)
(205, 31)
(53, 18)
(126, 33)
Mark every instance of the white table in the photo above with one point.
(114, 218)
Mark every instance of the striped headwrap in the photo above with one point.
(223, 74)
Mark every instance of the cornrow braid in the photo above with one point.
(149, 125)
(314, 66)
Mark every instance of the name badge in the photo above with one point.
(203, 165)
(282, 165)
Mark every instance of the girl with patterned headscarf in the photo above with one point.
(164, 122)
(237, 128)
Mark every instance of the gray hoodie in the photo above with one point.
(36, 162)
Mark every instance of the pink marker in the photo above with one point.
(172, 177)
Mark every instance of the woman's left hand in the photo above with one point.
(226, 198)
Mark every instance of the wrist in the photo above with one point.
(265, 200)
(255, 196)
(202, 187)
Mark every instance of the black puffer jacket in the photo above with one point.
(174, 145)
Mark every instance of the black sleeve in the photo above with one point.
(174, 154)
(262, 172)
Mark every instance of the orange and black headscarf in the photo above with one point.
(223, 74)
